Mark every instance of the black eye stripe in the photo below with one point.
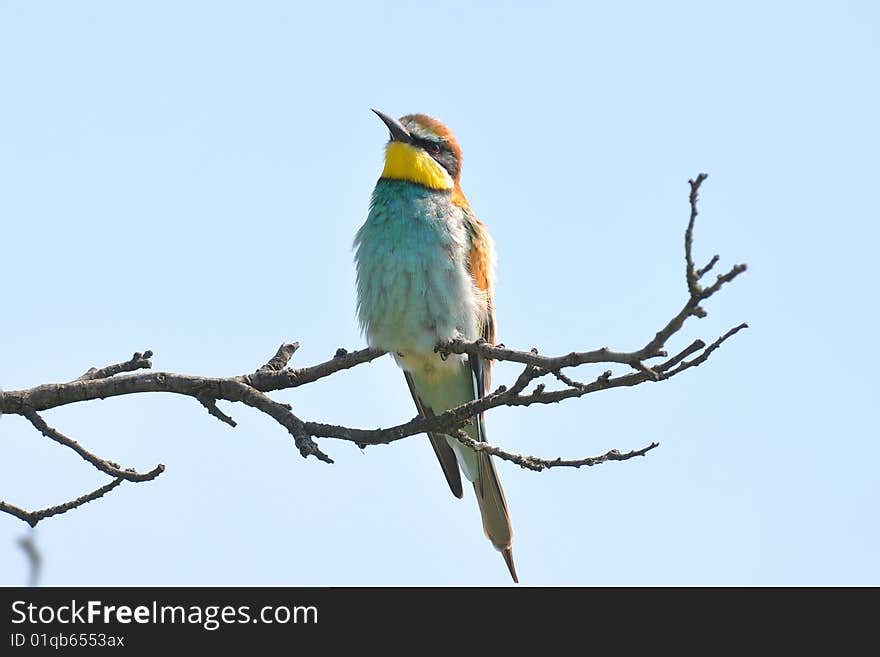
(428, 145)
(440, 151)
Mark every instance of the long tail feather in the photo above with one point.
(445, 455)
(447, 462)
(493, 509)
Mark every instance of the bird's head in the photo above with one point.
(421, 150)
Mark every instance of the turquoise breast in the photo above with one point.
(413, 286)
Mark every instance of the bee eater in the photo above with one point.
(425, 274)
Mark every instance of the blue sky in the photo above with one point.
(188, 177)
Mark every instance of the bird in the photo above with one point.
(425, 270)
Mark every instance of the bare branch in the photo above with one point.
(735, 271)
(635, 359)
(137, 362)
(691, 275)
(538, 464)
(456, 418)
(694, 346)
(279, 361)
(267, 381)
(281, 413)
(571, 383)
(702, 271)
(211, 405)
(706, 352)
(251, 389)
(573, 359)
(107, 467)
(33, 517)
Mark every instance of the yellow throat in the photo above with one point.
(407, 162)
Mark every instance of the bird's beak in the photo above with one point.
(395, 127)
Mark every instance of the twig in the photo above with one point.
(694, 346)
(137, 362)
(281, 413)
(33, 517)
(210, 403)
(705, 270)
(279, 361)
(571, 383)
(107, 467)
(538, 464)
(267, 381)
(707, 351)
(690, 274)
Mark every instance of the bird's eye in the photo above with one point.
(434, 148)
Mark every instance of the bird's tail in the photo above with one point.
(493, 509)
